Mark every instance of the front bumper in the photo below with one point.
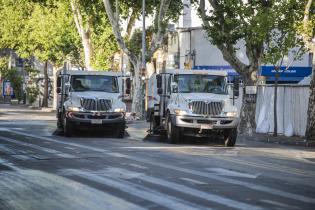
(96, 118)
(206, 123)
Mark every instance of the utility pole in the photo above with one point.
(143, 66)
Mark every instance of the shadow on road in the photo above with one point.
(89, 133)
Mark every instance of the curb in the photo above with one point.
(279, 140)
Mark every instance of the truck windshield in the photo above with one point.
(194, 83)
(101, 83)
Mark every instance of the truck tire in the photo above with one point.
(230, 137)
(120, 132)
(173, 135)
(67, 127)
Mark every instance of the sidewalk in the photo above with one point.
(21, 107)
(20, 112)
(280, 139)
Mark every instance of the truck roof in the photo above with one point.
(107, 73)
(206, 72)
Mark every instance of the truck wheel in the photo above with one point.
(230, 137)
(67, 127)
(120, 133)
(172, 132)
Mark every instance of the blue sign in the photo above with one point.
(293, 71)
(296, 73)
(7, 89)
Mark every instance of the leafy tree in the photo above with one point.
(95, 33)
(118, 11)
(306, 28)
(281, 40)
(45, 32)
(230, 23)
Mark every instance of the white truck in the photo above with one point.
(192, 102)
(91, 99)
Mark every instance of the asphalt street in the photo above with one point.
(40, 169)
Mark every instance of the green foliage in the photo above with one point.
(309, 30)
(126, 8)
(3, 64)
(283, 37)
(32, 94)
(32, 29)
(32, 90)
(234, 20)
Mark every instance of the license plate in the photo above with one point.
(206, 126)
(96, 121)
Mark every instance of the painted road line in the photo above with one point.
(281, 205)
(228, 172)
(117, 172)
(161, 199)
(193, 181)
(137, 166)
(47, 150)
(273, 167)
(59, 141)
(248, 185)
(50, 191)
(8, 164)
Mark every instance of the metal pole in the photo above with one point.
(143, 34)
(143, 66)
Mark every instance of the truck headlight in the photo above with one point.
(74, 109)
(180, 112)
(119, 110)
(229, 114)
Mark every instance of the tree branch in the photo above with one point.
(306, 37)
(130, 24)
(117, 33)
(77, 17)
(159, 36)
(227, 50)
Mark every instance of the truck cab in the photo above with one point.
(194, 103)
(90, 99)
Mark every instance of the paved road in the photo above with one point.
(41, 170)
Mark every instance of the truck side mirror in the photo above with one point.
(67, 87)
(159, 81)
(236, 87)
(128, 86)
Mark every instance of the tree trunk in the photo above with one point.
(248, 109)
(46, 78)
(87, 47)
(84, 33)
(136, 106)
(310, 129)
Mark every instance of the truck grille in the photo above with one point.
(206, 108)
(96, 104)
